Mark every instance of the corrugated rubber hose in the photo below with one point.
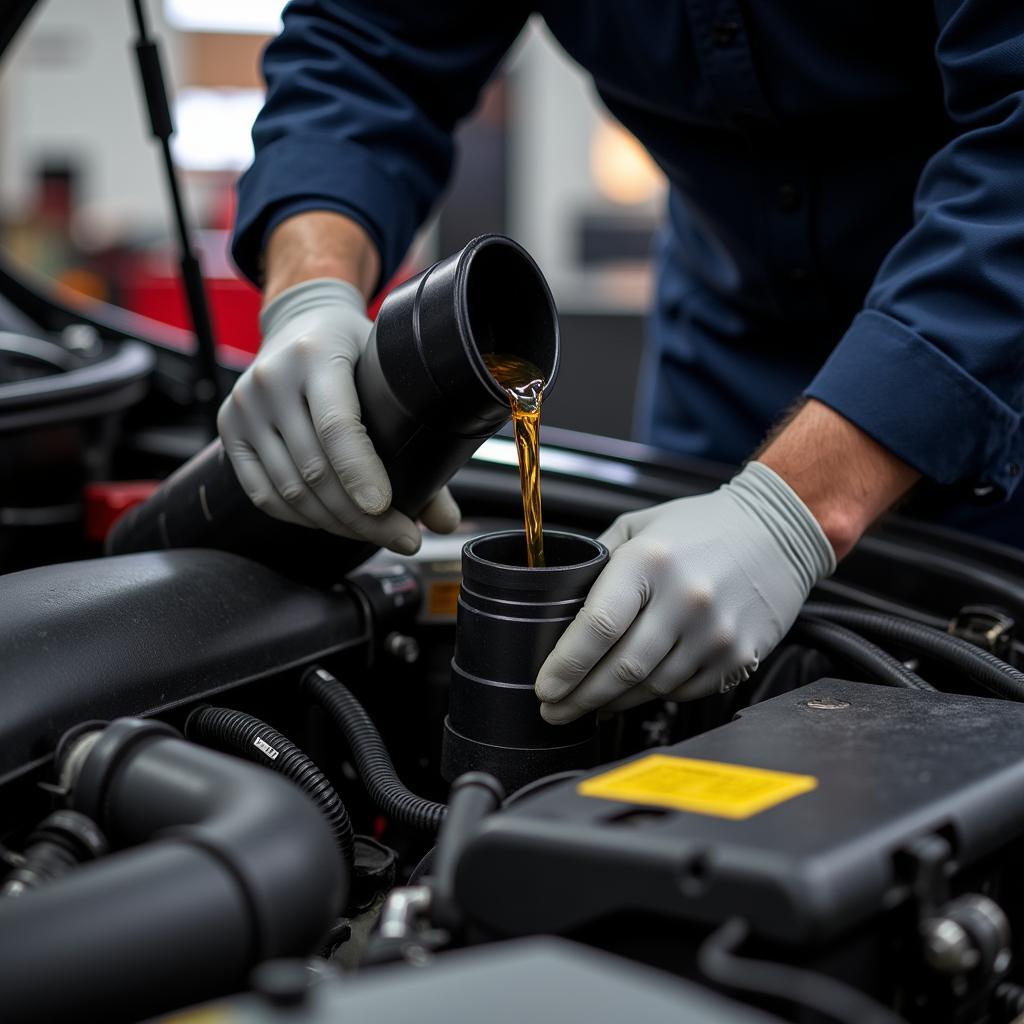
(984, 668)
(832, 638)
(238, 733)
(373, 762)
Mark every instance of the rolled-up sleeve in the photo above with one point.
(362, 100)
(933, 367)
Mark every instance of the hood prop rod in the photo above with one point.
(207, 391)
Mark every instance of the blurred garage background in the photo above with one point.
(82, 198)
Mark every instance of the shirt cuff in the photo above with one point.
(310, 172)
(926, 409)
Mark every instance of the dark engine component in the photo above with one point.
(55, 847)
(61, 399)
(526, 980)
(371, 757)
(245, 735)
(817, 817)
(427, 400)
(508, 620)
(94, 640)
(242, 867)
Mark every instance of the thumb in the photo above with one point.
(442, 514)
(617, 534)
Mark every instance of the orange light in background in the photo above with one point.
(621, 168)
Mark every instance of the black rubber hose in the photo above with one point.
(1009, 1002)
(838, 640)
(720, 963)
(373, 762)
(242, 869)
(984, 668)
(237, 733)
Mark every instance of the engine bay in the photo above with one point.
(221, 782)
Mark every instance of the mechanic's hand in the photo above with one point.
(696, 594)
(291, 424)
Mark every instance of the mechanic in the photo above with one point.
(845, 229)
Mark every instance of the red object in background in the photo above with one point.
(105, 503)
(234, 303)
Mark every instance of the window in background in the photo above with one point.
(83, 201)
(82, 195)
(255, 17)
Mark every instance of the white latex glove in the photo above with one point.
(696, 594)
(291, 424)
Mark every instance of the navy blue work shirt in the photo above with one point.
(846, 212)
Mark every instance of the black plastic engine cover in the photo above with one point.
(880, 767)
(535, 979)
(137, 634)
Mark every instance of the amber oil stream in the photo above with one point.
(524, 384)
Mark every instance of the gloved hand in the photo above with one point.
(291, 424)
(696, 594)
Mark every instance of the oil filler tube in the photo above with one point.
(427, 401)
(510, 617)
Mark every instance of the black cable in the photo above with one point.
(373, 762)
(247, 736)
(426, 862)
(838, 640)
(854, 597)
(984, 668)
(719, 963)
(542, 783)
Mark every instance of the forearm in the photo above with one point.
(844, 477)
(319, 243)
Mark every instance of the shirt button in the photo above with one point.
(789, 197)
(723, 33)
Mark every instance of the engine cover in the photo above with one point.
(793, 816)
(137, 634)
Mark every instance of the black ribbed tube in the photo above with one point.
(372, 759)
(984, 668)
(1009, 1002)
(835, 639)
(236, 732)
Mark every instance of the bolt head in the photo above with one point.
(948, 948)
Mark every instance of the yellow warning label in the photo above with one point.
(701, 787)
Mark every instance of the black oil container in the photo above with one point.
(509, 618)
(427, 401)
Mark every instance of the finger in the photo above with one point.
(256, 484)
(707, 682)
(288, 482)
(442, 514)
(617, 534)
(613, 603)
(627, 665)
(626, 527)
(704, 682)
(334, 409)
(391, 529)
